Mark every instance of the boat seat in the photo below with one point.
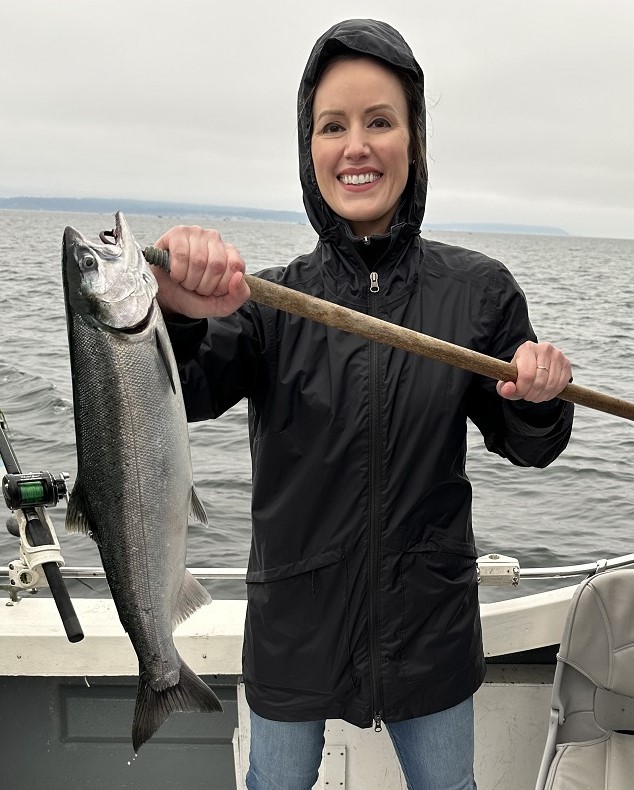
(590, 742)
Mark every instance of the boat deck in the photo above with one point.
(71, 704)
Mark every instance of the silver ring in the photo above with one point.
(541, 367)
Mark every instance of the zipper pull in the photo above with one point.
(377, 721)
(366, 239)
(374, 283)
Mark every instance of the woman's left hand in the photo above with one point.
(542, 372)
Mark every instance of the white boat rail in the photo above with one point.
(587, 569)
(498, 570)
(493, 569)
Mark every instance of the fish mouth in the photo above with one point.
(108, 283)
(112, 236)
(109, 238)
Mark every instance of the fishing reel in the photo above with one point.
(28, 496)
(34, 490)
(23, 493)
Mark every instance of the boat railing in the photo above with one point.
(493, 570)
(499, 570)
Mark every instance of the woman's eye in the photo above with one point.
(331, 128)
(380, 123)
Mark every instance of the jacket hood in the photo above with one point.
(381, 41)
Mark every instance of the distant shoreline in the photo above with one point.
(172, 209)
(153, 207)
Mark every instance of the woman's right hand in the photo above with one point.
(206, 276)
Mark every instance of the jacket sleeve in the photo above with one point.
(219, 360)
(528, 434)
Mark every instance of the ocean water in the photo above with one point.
(581, 298)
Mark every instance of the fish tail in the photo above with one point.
(154, 707)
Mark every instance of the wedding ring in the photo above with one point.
(541, 367)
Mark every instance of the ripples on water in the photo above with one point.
(581, 297)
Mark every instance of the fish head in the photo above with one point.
(110, 285)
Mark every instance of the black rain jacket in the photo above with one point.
(362, 593)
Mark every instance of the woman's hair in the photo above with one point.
(419, 152)
(410, 89)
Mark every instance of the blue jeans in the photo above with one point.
(435, 752)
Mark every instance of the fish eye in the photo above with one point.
(88, 262)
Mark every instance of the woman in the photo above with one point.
(362, 593)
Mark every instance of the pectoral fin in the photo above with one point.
(197, 510)
(166, 361)
(77, 519)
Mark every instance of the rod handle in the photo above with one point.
(39, 535)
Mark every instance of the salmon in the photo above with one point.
(134, 490)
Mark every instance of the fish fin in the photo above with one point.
(191, 596)
(197, 509)
(154, 707)
(77, 519)
(166, 360)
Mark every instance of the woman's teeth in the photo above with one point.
(361, 178)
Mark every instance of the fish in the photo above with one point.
(134, 492)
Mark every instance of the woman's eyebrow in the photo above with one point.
(335, 113)
(383, 106)
(372, 108)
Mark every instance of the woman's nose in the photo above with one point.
(356, 143)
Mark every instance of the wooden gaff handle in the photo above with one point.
(324, 312)
(343, 318)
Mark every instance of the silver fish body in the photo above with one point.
(134, 488)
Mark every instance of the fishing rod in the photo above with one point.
(27, 495)
(330, 314)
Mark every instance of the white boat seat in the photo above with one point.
(590, 743)
(605, 763)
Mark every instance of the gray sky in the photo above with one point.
(531, 109)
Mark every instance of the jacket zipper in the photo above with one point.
(374, 538)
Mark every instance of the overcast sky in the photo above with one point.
(530, 103)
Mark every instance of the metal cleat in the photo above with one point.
(496, 570)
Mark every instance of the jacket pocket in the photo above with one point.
(296, 633)
(441, 627)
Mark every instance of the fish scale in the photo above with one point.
(142, 577)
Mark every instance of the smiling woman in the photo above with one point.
(362, 580)
(361, 143)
